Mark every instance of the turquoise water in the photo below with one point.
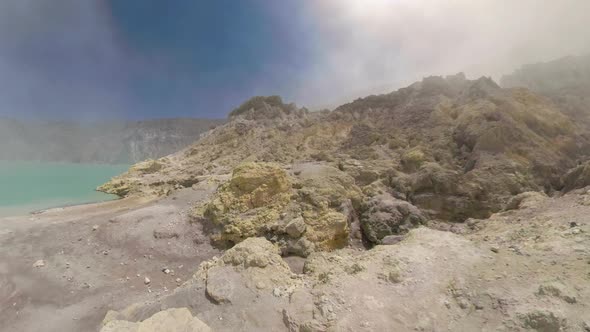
(30, 186)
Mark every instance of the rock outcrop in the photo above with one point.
(301, 209)
(171, 320)
(523, 269)
(445, 148)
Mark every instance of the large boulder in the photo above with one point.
(385, 215)
(249, 202)
(309, 208)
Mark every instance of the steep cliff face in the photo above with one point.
(113, 142)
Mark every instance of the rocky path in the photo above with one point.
(61, 270)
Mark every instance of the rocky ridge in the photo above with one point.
(452, 147)
(411, 176)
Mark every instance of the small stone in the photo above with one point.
(392, 239)
(95, 227)
(276, 292)
(147, 281)
(221, 284)
(296, 227)
(39, 263)
(463, 304)
(165, 234)
(178, 281)
(166, 270)
(260, 285)
(495, 249)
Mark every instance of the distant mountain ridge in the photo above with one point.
(566, 81)
(105, 142)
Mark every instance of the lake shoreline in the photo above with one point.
(32, 187)
(65, 206)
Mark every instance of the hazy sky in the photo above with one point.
(153, 58)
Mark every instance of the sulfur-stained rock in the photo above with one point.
(253, 252)
(413, 159)
(261, 199)
(250, 177)
(147, 167)
(117, 187)
(250, 202)
(323, 186)
(328, 230)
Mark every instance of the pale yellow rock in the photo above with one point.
(171, 320)
(147, 167)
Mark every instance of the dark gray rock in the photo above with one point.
(385, 215)
(392, 239)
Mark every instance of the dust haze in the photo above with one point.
(63, 56)
(379, 45)
(60, 59)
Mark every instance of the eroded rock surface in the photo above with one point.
(327, 186)
(171, 320)
(536, 279)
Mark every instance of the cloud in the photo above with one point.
(377, 45)
(61, 58)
